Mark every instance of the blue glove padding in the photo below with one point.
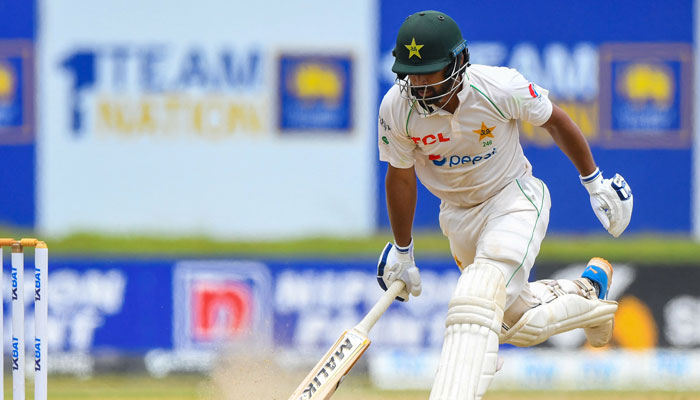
(397, 262)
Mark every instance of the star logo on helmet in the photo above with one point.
(414, 49)
(485, 131)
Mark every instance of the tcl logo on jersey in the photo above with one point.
(456, 160)
(430, 139)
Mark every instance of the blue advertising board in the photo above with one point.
(13, 88)
(134, 306)
(623, 77)
(645, 96)
(17, 128)
(315, 93)
(109, 304)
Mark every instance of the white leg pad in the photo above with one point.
(564, 313)
(470, 350)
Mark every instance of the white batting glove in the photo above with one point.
(397, 262)
(611, 200)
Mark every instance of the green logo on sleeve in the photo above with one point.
(385, 140)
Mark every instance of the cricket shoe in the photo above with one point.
(599, 273)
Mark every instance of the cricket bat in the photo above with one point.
(324, 378)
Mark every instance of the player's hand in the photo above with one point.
(397, 263)
(611, 200)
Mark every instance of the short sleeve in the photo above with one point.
(395, 146)
(527, 101)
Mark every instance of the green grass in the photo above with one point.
(195, 387)
(125, 387)
(631, 248)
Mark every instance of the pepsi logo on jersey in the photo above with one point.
(456, 160)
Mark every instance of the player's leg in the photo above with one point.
(513, 233)
(469, 356)
(460, 226)
(547, 307)
(507, 231)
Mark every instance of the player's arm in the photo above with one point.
(570, 139)
(398, 150)
(396, 260)
(611, 199)
(401, 202)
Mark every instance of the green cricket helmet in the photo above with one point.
(427, 42)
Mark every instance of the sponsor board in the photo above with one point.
(218, 303)
(315, 93)
(16, 92)
(162, 90)
(655, 306)
(547, 369)
(98, 305)
(180, 310)
(655, 344)
(18, 29)
(646, 94)
(629, 92)
(314, 305)
(179, 126)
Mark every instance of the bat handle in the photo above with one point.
(380, 307)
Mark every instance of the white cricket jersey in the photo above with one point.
(466, 157)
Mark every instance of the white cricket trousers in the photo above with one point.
(505, 231)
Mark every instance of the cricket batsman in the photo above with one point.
(454, 125)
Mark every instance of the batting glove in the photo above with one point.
(611, 200)
(397, 262)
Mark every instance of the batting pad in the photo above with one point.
(564, 313)
(470, 350)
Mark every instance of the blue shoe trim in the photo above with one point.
(597, 275)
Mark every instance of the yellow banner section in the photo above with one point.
(584, 114)
(212, 117)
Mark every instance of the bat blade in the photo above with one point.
(325, 377)
(339, 360)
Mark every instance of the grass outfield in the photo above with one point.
(193, 387)
(633, 248)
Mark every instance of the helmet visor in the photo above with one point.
(400, 68)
